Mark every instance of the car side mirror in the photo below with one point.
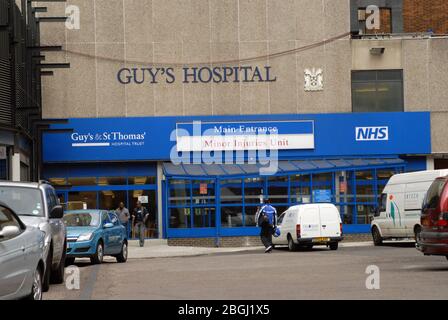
(57, 212)
(9, 232)
(108, 225)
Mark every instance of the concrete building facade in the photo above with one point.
(142, 59)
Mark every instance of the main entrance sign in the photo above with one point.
(240, 136)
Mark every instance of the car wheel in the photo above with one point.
(47, 274)
(291, 245)
(123, 256)
(69, 261)
(99, 254)
(446, 257)
(334, 246)
(57, 276)
(36, 288)
(377, 239)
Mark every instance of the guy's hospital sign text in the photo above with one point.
(222, 74)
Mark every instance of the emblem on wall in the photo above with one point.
(314, 79)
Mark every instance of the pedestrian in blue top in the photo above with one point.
(267, 220)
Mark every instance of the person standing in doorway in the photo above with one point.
(266, 218)
(139, 217)
(124, 216)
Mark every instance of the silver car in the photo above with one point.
(38, 206)
(22, 264)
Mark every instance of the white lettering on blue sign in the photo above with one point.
(372, 134)
(107, 139)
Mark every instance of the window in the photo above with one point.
(105, 218)
(377, 91)
(82, 200)
(383, 203)
(280, 219)
(114, 219)
(7, 219)
(433, 196)
(23, 201)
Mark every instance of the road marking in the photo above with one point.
(89, 285)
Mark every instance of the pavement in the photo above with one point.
(160, 249)
(236, 273)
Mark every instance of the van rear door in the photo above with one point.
(330, 221)
(310, 222)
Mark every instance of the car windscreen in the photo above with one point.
(84, 219)
(23, 201)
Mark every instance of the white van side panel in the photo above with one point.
(330, 220)
(310, 222)
(405, 193)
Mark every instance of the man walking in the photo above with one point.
(139, 217)
(123, 214)
(267, 220)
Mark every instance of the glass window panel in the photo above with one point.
(364, 97)
(249, 215)
(82, 200)
(179, 218)
(363, 76)
(348, 214)
(204, 217)
(382, 91)
(365, 186)
(151, 206)
(231, 191)
(281, 209)
(390, 75)
(390, 96)
(341, 187)
(111, 181)
(278, 189)
(365, 213)
(203, 192)
(383, 177)
(83, 181)
(350, 196)
(110, 200)
(253, 190)
(231, 217)
(142, 180)
(323, 181)
(179, 192)
(300, 188)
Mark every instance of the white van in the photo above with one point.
(309, 225)
(398, 215)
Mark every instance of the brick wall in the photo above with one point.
(238, 242)
(385, 22)
(422, 15)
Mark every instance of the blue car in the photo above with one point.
(94, 234)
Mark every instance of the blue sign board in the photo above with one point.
(155, 138)
(322, 196)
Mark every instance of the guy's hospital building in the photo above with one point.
(160, 92)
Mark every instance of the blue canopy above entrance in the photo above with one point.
(284, 167)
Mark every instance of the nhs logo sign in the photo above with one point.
(372, 134)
